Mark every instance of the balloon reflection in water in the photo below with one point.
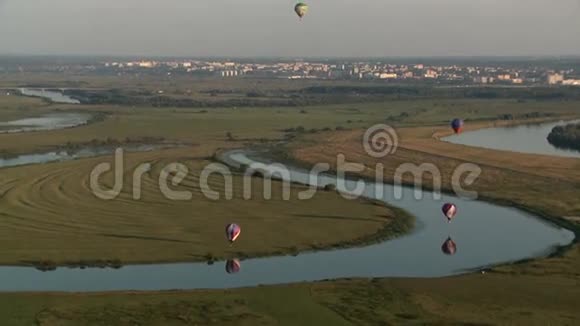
(233, 266)
(449, 247)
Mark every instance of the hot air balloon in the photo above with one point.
(233, 266)
(457, 125)
(449, 247)
(449, 210)
(301, 9)
(233, 232)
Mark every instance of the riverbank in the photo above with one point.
(536, 293)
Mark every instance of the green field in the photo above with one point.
(46, 207)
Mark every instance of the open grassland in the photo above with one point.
(51, 216)
(542, 293)
(18, 107)
(262, 124)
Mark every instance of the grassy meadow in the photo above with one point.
(50, 215)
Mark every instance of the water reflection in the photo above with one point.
(233, 266)
(449, 247)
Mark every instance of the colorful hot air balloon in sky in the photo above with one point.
(233, 266)
(457, 125)
(449, 210)
(301, 9)
(233, 232)
(449, 247)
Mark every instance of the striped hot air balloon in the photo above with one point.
(449, 210)
(233, 232)
(449, 247)
(457, 125)
(301, 9)
(233, 266)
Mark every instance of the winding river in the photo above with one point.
(53, 96)
(485, 234)
(531, 138)
(50, 121)
(68, 155)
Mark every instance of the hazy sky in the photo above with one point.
(270, 28)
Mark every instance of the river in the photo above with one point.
(53, 96)
(485, 234)
(531, 138)
(49, 121)
(68, 155)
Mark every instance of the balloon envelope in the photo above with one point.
(301, 9)
(449, 210)
(457, 125)
(233, 232)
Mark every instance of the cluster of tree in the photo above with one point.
(252, 99)
(317, 95)
(531, 115)
(364, 90)
(422, 91)
(567, 136)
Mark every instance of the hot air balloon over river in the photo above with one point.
(457, 125)
(233, 232)
(449, 210)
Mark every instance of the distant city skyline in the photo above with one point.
(269, 28)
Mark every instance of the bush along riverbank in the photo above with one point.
(566, 137)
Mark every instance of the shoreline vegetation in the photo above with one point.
(566, 137)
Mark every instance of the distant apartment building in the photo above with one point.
(504, 77)
(229, 73)
(483, 80)
(388, 76)
(146, 64)
(571, 82)
(555, 78)
(431, 74)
